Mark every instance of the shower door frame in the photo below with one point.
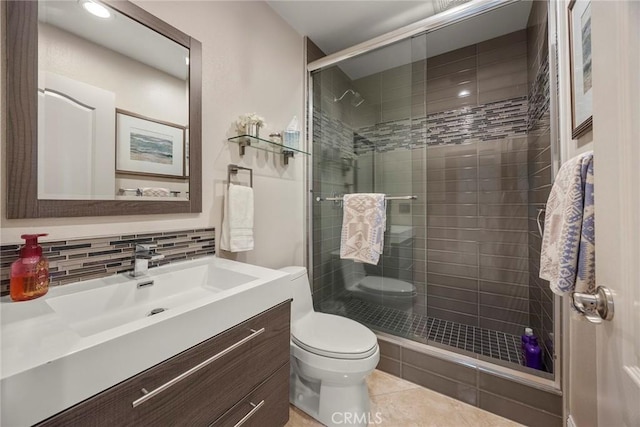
(430, 24)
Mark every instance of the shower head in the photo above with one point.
(357, 98)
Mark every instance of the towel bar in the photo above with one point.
(174, 193)
(125, 190)
(334, 199)
(233, 169)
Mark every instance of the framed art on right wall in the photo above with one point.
(580, 67)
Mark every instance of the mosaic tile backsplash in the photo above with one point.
(83, 259)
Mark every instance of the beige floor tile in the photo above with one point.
(480, 418)
(382, 383)
(399, 403)
(417, 407)
(297, 418)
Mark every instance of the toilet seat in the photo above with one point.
(333, 336)
(386, 286)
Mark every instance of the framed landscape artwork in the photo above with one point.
(151, 147)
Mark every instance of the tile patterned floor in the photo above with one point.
(489, 343)
(403, 404)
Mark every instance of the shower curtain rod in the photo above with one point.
(322, 199)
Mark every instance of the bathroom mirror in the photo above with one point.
(103, 111)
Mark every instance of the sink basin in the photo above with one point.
(102, 308)
(83, 338)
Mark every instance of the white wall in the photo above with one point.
(579, 336)
(138, 87)
(252, 61)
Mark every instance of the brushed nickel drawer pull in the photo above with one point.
(250, 414)
(195, 369)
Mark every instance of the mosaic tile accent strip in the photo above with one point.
(83, 259)
(332, 134)
(498, 345)
(539, 99)
(496, 120)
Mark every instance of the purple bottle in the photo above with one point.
(533, 354)
(524, 340)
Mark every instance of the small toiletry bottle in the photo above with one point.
(524, 339)
(291, 135)
(533, 354)
(30, 272)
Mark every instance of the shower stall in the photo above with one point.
(451, 120)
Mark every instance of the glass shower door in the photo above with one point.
(362, 140)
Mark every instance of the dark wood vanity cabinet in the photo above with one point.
(241, 374)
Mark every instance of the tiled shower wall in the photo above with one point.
(540, 173)
(334, 173)
(476, 234)
(83, 259)
(469, 259)
(466, 158)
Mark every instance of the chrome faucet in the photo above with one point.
(142, 254)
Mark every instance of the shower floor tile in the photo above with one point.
(494, 344)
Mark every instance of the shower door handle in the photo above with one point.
(595, 307)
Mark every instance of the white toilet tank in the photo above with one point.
(300, 290)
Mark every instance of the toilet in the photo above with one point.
(331, 357)
(386, 291)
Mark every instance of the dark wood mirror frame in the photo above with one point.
(22, 124)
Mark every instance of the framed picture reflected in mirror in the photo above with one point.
(146, 146)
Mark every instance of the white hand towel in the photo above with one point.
(363, 225)
(237, 222)
(567, 258)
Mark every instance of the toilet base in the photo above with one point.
(333, 391)
(332, 405)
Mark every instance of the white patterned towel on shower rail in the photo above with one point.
(363, 225)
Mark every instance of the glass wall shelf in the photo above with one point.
(244, 141)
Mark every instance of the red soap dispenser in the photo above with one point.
(30, 272)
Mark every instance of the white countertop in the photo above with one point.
(46, 366)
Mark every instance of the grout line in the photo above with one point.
(408, 385)
(396, 320)
(520, 403)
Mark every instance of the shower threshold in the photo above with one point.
(420, 327)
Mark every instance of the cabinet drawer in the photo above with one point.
(175, 395)
(268, 405)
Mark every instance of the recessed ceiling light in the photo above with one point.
(463, 93)
(96, 9)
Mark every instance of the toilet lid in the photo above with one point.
(386, 285)
(333, 336)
